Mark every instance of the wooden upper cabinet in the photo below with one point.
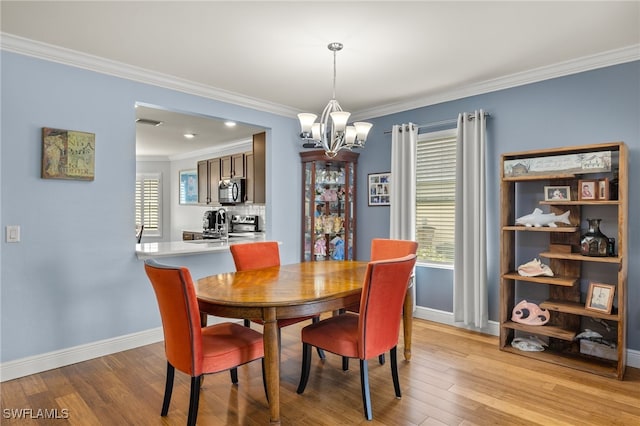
(232, 166)
(259, 168)
(208, 180)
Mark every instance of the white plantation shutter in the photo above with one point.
(435, 196)
(149, 203)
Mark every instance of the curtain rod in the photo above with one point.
(441, 123)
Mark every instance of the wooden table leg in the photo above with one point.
(407, 321)
(272, 363)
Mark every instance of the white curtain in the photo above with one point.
(402, 224)
(470, 273)
(402, 221)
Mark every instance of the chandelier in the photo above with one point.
(332, 132)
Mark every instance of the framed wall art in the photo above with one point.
(68, 154)
(188, 187)
(600, 297)
(379, 189)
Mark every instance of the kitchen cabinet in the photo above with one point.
(525, 179)
(232, 166)
(328, 206)
(255, 170)
(208, 180)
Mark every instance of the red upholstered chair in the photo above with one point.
(371, 333)
(258, 255)
(189, 348)
(382, 249)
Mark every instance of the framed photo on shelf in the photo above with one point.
(587, 189)
(557, 193)
(603, 189)
(600, 297)
(379, 189)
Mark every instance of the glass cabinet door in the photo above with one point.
(328, 206)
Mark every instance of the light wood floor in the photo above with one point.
(454, 378)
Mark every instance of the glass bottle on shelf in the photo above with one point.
(594, 242)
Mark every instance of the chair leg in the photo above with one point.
(364, 383)
(381, 359)
(194, 399)
(345, 363)
(234, 375)
(168, 389)
(247, 323)
(264, 381)
(306, 367)
(320, 351)
(394, 371)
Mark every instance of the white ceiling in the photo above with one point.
(274, 54)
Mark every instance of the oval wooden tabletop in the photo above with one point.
(283, 285)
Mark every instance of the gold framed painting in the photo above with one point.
(68, 154)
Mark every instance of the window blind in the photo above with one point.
(435, 196)
(148, 203)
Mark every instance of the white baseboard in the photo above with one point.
(493, 328)
(38, 363)
(56, 359)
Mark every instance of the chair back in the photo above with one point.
(180, 315)
(383, 248)
(139, 233)
(257, 255)
(383, 292)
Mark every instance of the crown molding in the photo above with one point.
(49, 52)
(221, 150)
(12, 43)
(587, 63)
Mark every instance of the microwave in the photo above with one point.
(232, 191)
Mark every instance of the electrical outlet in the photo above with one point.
(13, 233)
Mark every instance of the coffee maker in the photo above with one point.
(214, 224)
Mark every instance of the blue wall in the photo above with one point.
(597, 106)
(74, 278)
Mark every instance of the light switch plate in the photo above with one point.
(13, 233)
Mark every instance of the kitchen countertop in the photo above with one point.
(191, 247)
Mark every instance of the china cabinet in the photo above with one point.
(328, 206)
(549, 180)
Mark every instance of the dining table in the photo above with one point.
(287, 291)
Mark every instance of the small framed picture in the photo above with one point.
(600, 297)
(557, 193)
(603, 189)
(587, 189)
(188, 189)
(379, 189)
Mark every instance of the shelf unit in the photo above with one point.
(566, 290)
(328, 205)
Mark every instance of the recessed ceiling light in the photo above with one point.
(230, 123)
(189, 135)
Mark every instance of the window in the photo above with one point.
(149, 203)
(435, 196)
